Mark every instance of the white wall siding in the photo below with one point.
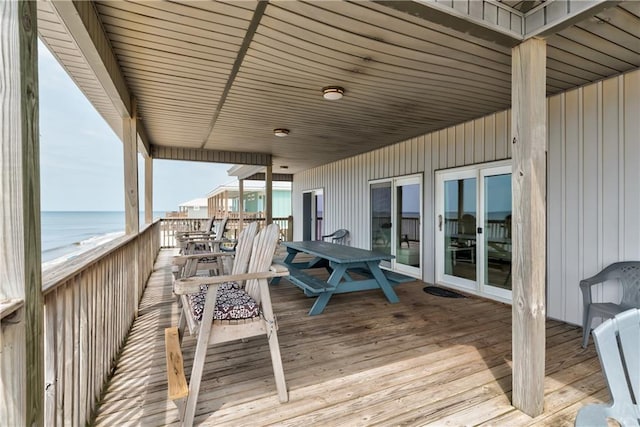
(346, 182)
(593, 194)
(594, 188)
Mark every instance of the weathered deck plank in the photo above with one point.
(362, 362)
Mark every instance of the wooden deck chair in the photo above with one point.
(205, 229)
(207, 241)
(206, 250)
(242, 309)
(238, 262)
(618, 343)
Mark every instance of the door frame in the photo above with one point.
(309, 214)
(479, 172)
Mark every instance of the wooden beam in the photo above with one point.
(551, 17)
(21, 331)
(268, 185)
(248, 38)
(144, 146)
(212, 156)
(529, 224)
(148, 190)
(487, 19)
(260, 176)
(84, 25)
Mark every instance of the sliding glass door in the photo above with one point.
(473, 229)
(396, 222)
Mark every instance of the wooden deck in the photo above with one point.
(426, 360)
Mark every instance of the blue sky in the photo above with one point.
(81, 158)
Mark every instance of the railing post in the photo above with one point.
(268, 195)
(290, 228)
(21, 301)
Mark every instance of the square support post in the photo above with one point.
(130, 152)
(148, 190)
(529, 127)
(21, 300)
(268, 203)
(131, 196)
(240, 206)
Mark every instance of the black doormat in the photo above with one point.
(442, 292)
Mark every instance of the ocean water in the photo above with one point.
(68, 234)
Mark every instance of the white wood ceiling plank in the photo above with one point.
(179, 13)
(169, 44)
(316, 37)
(393, 74)
(170, 30)
(363, 21)
(306, 81)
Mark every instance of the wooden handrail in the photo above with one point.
(90, 303)
(58, 274)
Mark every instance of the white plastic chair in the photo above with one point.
(618, 343)
(628, 274)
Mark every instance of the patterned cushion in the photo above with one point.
(232, 303)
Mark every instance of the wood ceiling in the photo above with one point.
(223, 75)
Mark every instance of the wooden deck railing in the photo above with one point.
(169, 227)
(90, 303)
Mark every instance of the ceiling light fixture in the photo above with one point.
(281, 132)
(332, 93)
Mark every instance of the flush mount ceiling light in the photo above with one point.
(332, 93)
(281, 132)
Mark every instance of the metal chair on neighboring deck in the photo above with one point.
(628, 274)
(339, 236)
(618, 343)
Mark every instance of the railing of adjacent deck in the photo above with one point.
(170, 226)
(90, 303)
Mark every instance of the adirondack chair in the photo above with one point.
(628, 274)
(618, 343)
(203, 248)
(242, 309)
(236, 262)
(206, 228)
(339, 236)
(192, 242)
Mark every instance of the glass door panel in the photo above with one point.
(381, 218)
(407, 233)
(497, 232)
(396, 226)
(459, 244)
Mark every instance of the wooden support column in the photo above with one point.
(21, 301)
(241, 205)
(131, 204)
(269, 195)
(130, 151)
(529, 124)
(148, 190)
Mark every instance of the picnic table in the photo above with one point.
(341, 262)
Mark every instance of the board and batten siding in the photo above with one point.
(593, 195)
